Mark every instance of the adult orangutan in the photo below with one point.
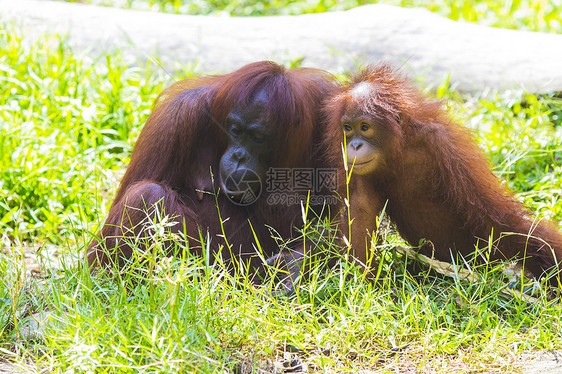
(404, 151)
(204, 156)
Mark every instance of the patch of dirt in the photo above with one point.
(541, 362)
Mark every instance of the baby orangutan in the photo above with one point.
(403, 150)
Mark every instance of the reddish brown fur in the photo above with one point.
(184, 138)
(437, 183)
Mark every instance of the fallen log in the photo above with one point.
(455, 271)
(426, 45)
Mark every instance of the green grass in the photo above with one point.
(67, 126)
(67, 129)
(534, 15)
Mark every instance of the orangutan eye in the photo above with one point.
(365, 127)
(235, 131)
(347, 127)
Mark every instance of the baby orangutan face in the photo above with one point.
(363, 143)
(360, 139)
(365, 135)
